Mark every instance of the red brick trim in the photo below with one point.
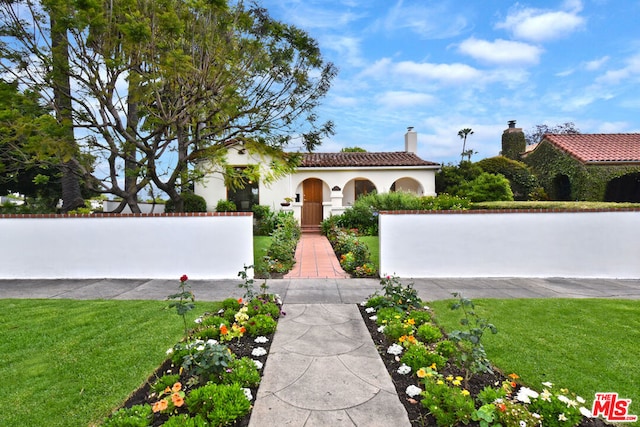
(506, 211)
(131, 215)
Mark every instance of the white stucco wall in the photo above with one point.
(550, 244)
(149, 247)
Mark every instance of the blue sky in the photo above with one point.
(441, 66)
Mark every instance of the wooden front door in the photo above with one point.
(312, 202)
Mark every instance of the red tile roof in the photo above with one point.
(599, 148)
(398, 158)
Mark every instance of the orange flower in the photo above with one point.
(514, 376)
(177, 399)
(513, 384)
(176, 387)
(167, 390)
(502, 407)
(240, 300)
(411, 321)
(160, 405)
(224, 330)
(243, 330)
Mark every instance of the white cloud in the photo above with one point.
(437, 21)
(403, 99)
(596, 64)
(445, 73)
(503, 52)
(620, 75)
(540, 25)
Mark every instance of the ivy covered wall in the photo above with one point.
(588, 182)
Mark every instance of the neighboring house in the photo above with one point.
(326, 183)
(597, 167)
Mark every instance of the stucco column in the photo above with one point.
(336, 201)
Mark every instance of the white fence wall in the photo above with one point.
(202, 246)
(602, 244)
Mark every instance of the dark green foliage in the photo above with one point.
(226, 206)
(285, 236)
(521, 179)
(221, 404)
(487, 187)
(513, 144)
(241, 371)
(191, 203)
(446, 349)
(447, 405)
(585, 182)
(260, 306)
(207, 363)
(388, 314)
(165, 381)
(261, 324)
(396, 329)
(420, 317)
(428, 333)
(451, 177)
(184, 420)
(419, 356)
(231, 303)
(136, 416)
(489, 394)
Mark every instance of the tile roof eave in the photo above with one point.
(399, 167)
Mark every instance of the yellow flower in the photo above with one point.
(421, 373)
(449, 378)
(411, 321)
(433, 366)
(459, 378)
(439, 382)
(465, 392)
(455, 382)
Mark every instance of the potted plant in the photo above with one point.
(287, 201)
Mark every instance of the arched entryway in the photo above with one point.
(625, 188)
(408, 185)
(311, 202)
(561, 188)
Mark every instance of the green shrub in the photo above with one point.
(191, 203)
(265, 220)
(259, 306)
(521, 179)
(184, 420)
(487, 187)
(447, 404)
(226, 206)
(446, 349)
(420, 317)
(241, 371)
(428, 333)
(451, 177)
(388, 314)
(396, 329)
(261, 324)
(205, 360)
(419, 356)
(165, 381)
(489, 394)
(220, 404)
(214, 321)
(212, 332)
(136, 416)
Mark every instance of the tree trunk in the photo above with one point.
(71, 193)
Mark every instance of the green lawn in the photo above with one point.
(70, 363)
(260, 246)
(373, 244)
(585, 345)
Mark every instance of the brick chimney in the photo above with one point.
(411, 141)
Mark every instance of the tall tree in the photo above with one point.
(163, 86)
(537, 132)
(463, 134)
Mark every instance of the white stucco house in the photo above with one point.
(326, 183)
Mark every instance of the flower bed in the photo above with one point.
(212, 375)
(447, 380)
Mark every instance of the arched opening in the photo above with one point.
(561, 188)
(625, 188)
(355, 188)
(408, 185)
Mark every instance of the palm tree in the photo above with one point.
(463, 133)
